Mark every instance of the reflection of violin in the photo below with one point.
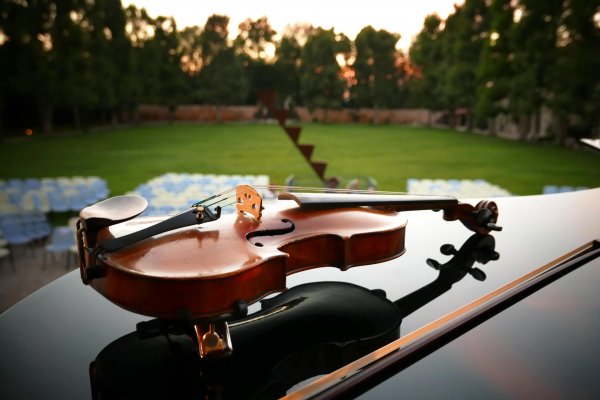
(308, 330)
(168, 268)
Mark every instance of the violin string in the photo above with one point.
(328, 190)
(219, 201)
(292, 189)
(214, 196)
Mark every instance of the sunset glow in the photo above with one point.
(401, 16)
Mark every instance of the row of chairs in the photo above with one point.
(172, 193)
(51, 194)
(24, 229)
(459, 188)
(550, 189)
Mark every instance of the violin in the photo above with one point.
(207, 268)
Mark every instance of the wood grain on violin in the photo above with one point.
(208, 264)
(207, 268)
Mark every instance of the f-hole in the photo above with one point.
(289, 227)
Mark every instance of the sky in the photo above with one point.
(349, 17)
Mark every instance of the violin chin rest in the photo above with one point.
(113, 210)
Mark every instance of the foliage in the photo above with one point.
(287, 69)
(513, 57)
(222, 79)
(494, 73)
(84, 62)
(377, 69)
(320, 82)
(426, 57)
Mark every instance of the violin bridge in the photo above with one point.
(247, 200)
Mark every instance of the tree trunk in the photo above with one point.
(114, 120)
(524, 127)
(45, 113)
(452, 119)
(537, 119)
(469, 121)
(77, 118)
(1, 124)
(219, 117)
(136, 115)
(561, 134)
(375, 116)
(492, 126)
(429, 117)
(171, 115)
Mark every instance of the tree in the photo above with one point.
(533, 40)
(222, 80)
(255, 38)
(378, 74)
(137, 87)
(163, 50)
(191, 50)
(31, 70)
(320, 81)
(495, 70)
(70, 48)
(253, 45)
(213, 39)
(426, 57)
(463, 38)
(287, 70)
(574, 83)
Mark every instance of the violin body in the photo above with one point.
(209, 270)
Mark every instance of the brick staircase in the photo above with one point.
(268, 100)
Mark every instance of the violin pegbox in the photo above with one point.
(248, 201)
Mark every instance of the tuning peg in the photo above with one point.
(486, 255)
(493, 256)
(433, 263)
(493, 227)
(448, 250)
(477, 274)
(482, 216)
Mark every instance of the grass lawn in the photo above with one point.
(391, 154)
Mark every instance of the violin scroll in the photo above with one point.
(480, 219)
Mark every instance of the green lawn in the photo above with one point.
(391, 154)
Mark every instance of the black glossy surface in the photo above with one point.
(545, 346)
(48, 340)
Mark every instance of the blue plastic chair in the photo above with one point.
(61, 241)
(58, 202)
(15, 233)
(78, 201)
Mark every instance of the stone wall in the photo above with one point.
(198, 113)
(207, 113)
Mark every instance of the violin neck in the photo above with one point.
(400, 202)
